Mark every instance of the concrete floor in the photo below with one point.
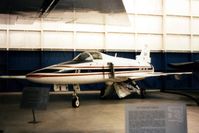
(93, 116)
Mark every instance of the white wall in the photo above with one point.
(168, 25)
(24, 39)
(61, 40)
(89, 40)
(3, 43)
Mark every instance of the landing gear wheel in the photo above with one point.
(142, 93)
(102, 92)
(75, 102)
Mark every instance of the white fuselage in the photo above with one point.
(95, 71)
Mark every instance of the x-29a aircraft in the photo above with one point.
(119, 74)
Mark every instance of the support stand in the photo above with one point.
(34, 118)
(35, 98)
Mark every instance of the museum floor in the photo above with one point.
(93, 116)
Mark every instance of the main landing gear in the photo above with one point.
(75, 99)
(139, 90)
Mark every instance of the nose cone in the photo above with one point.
(33, 77)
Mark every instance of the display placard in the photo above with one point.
(164, 118)
(35, 98)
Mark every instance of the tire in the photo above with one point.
(102, 91)
(75, 102)
(142, 93)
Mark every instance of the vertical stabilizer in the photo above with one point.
(144, 55)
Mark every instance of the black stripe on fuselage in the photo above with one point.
(91, 70)
(107, 70)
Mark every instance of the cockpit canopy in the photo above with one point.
(88, 57)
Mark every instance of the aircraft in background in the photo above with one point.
(192, 66)
(186, 66)
(119, 74)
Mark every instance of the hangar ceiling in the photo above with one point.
(81, 11)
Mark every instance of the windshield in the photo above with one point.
(96, 55)
(83, 57)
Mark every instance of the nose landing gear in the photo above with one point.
(75, 102)
(75, 99)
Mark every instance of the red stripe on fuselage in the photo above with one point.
(80, 74)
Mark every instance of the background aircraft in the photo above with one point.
(186, 66)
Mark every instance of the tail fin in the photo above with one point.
(144, 55)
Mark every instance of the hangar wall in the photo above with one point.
(169, 27)
(165, 25)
